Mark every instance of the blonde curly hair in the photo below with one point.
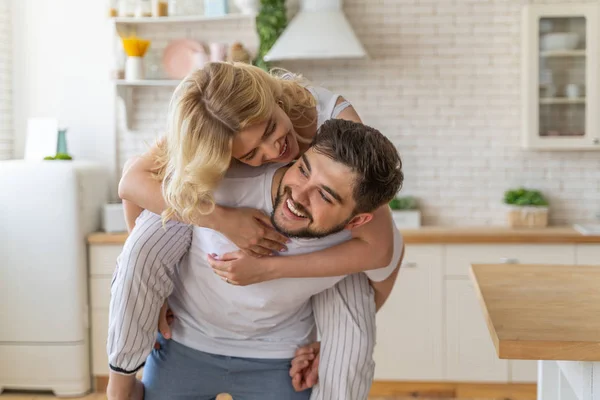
(207, 110)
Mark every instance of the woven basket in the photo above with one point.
(527, 217)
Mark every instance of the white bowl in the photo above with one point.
(560, 41)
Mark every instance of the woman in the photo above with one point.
(235, 116)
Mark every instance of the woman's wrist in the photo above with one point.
(272, 267)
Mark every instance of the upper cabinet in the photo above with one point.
(560, 77)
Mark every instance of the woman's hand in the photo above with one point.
(251, 231)
(238, 268)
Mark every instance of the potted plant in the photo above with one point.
(405, 212)
(527, 208)
(270, 23)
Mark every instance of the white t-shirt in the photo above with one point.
(266, 320)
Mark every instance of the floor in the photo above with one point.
(12, 396)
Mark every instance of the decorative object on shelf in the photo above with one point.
(527, 208)
(573, 91)
(61, 147)
(135, 48)
(160, 8)
(113, 10)
(248, 7)
(405, 212)
(143, 9)
(215, 8)
(218, 52)
(270, 23)
(113, 220)
(126, 8)
(183, 56)
(238, 53)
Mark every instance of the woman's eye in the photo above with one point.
(251, 155)
(302, 171)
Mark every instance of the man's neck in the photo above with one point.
(277, 177)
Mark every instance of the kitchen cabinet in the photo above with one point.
(560, 77)
(470, 353)
(431, 328)
(587, 254)
(409, 326)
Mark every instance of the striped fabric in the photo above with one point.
(345, 314)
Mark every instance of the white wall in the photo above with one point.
(6, 126)
(62, 53)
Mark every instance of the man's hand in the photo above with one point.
(238, 268)
(305, 367)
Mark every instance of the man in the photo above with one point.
(240, 340)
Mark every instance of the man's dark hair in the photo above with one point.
(369, 154)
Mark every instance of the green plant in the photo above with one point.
(403, 203)
(59, 156)
(525, 197)
(270, 23)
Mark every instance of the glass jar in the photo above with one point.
(160, 8)
(126, 8)
(113, 10)
(143, 9)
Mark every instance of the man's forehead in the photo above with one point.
(336, 175)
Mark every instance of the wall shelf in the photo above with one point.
(562, 100)
(149, 82)
(562, 53)
(179, 19)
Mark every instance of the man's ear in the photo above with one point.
(359, 220)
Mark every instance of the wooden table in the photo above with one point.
(550, 314)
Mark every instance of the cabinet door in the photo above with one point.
(460, 257)
(409, 326)
(523, 371)
(560, 77)
(99, 335)
(471, 356)
(588, 254)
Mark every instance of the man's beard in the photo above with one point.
(303, 233)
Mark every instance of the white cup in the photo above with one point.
(572, 91)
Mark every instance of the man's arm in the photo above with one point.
(384, 288)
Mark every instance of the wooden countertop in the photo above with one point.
(539, 312)
(446, 235)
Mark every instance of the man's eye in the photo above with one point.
(324, 196)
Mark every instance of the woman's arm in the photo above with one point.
(249, 229)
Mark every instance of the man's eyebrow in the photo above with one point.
(305, 160)
(333, 193)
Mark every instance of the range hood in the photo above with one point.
(320, 30)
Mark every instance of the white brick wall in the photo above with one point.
(6, 130)
(443, 82)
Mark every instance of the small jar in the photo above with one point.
(126, 8)
(143, 9)
(160, 8)
(113, 10)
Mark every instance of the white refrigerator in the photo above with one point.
(47, 208)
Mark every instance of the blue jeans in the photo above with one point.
(177, 372)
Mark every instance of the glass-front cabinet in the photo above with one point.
(560, 77)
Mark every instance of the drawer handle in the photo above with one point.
(507, 260)
(409, 265)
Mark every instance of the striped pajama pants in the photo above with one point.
(344, 314)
